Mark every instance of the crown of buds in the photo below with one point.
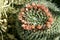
(31, 17)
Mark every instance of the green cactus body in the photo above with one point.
(35, 17)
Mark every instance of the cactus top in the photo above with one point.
(35, 17)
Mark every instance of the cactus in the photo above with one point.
(30, 17)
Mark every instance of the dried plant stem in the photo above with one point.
(1, 34)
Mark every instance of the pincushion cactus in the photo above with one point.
(38, 21)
